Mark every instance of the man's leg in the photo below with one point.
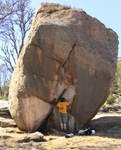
(61, 121)
(61, 125)
(65, 120)
(64, 126)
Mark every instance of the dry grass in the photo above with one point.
(60, 142)
(77, 142)
(84, 142)
(108, 139)
(51, 9)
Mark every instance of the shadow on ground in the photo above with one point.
(109, 126)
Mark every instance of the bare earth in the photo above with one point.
(77, 142)
(108, 136)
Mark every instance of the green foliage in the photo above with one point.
(5, 7)
(5, 96)
(116, 85)
(5, 90)
(111, 99)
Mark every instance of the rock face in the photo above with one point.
(68, 53)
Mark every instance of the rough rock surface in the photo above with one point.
(68, 53)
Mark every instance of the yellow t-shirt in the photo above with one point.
(63, 107)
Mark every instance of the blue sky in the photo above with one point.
(107, 11)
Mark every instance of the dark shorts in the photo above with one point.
(63, 118)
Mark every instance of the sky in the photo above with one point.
(107, 11)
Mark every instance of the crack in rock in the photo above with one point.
(45, 52)
(73, 47)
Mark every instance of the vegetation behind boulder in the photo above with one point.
(5, 90)
(111, 99)
(116, 86)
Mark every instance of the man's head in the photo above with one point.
(62, 99)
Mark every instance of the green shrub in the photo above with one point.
(116, 84)
(5, 89)
(5, 96)
(111, 99)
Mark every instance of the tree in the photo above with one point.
(7, 9)
(17, 21)
(3, 77)
(116, 84)
(5, 89)
(115, 91)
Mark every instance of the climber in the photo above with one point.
(63, 116)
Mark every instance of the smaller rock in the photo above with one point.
(7, 130)
(36, 137)
(4, 109)
(4, 112)
(5, 137)
(7, 122)
(24, 140)
(110, 108)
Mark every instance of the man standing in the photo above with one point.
(63, 117)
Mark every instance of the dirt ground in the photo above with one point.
(108, 136)
(99, 141)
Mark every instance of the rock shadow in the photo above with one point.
(109, 126)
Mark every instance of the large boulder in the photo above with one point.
(68, 53)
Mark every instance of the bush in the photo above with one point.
(5, 96)
(5, 89)
(111, 99)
